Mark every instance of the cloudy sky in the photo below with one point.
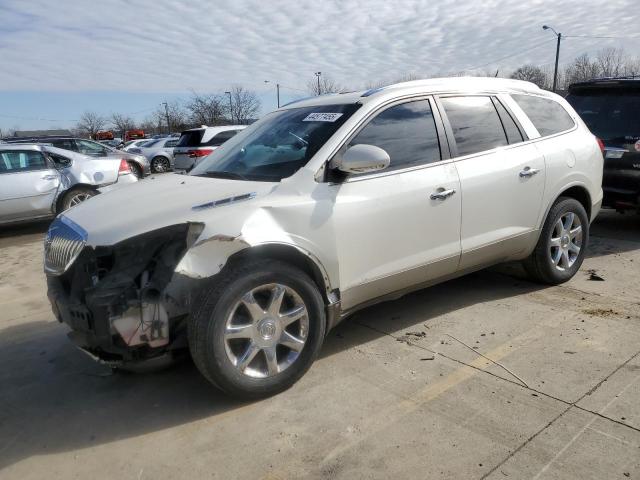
(59, 58)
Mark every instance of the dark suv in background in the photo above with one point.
(138, 164)
(611, 109)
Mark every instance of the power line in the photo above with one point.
(515, 54)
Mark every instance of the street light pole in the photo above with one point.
(230, 107)
(318, 77)
(166, 112)
(277, 91)
(555, 71)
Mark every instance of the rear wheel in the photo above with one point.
(258, 329)
(562, 243)
(135, 169)
(76, 196)
(160, 164)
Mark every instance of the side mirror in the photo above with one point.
(363, 158)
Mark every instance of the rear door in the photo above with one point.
(502, 179)
(28, 185)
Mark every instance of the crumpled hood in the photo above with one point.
(156, 202)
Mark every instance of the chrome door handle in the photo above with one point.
(528, 172)
(442, 195)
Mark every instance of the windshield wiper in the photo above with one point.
(222, 174)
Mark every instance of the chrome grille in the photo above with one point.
(64, 242)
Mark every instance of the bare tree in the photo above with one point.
(122, 123)
(177, 117)
(90, 123)
(245, 105)
(207, 109)
(581, 69)
(326, 85)
(533, 74)
(610, 62)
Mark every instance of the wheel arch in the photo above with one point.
(64, 194)
(578, 192)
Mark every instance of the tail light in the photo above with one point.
(199, 153)
(600, 144)
(124, 168)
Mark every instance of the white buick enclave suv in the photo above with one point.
(320, 208)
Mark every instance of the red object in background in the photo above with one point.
(104, 135)
(133, 135)
(600, 144)
(199, 153)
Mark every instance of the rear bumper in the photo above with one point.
(621, 199)
(183, 162)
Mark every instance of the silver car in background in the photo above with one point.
(159, 152)
(40, 181)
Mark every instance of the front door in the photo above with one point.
(399, 227)
(28, 185)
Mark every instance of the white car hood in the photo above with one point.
(156, 202)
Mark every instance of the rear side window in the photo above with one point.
(475, 123)
(21, 161)
(548, 116)
(219, 138)
(407, 132)
(190, 138)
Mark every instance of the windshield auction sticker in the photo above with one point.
(322, 117)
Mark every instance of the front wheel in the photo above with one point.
(258, 329)
(561, 247)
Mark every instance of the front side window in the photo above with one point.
(407, 132)
(475, 124)
(548, 116)
(15, 161)
(276, 146)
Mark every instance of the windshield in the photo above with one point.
(611, 115)
(278, 145)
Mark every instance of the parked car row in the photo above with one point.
(138, 164)
(319, 209)
(40, 181)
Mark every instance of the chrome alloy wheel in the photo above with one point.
(160, 165)
(78, 198)
(566, 241)
(266, 330)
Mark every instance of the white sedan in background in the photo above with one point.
(40, 181)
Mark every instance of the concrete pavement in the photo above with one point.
(395, 393)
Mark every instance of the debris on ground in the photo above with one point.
(432, 357)
(569, 352)
(601, 312)
(416, 334)
(593, 275)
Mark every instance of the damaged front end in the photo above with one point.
(124, 303)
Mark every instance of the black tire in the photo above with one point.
(75, 196)
(162, 162)
(208, 322)
(539, 265)
(135, 169)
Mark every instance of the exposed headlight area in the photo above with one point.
(115, 298)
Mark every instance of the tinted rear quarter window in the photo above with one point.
(548, 116)
(475, 124)
(190, 138)
(219, 138)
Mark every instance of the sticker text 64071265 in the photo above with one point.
(322, 117)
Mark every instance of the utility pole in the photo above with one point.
(555, 71)
(318, 77)
(277, 91)
(230, 107)
(166, 112)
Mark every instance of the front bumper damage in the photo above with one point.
(125, 304)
